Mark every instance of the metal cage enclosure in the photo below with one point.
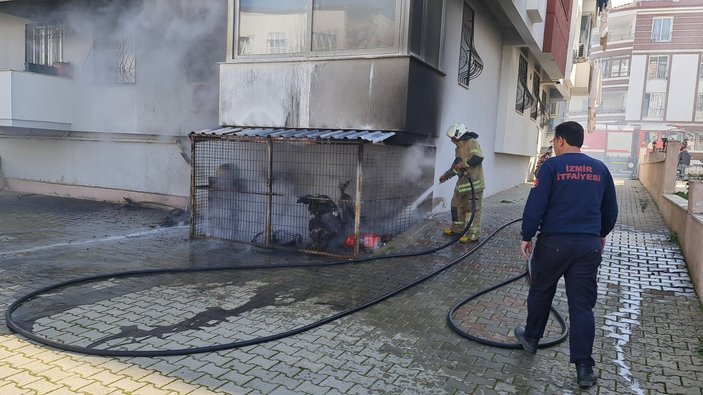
(330, 196)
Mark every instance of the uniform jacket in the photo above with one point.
(467, 153)
(573, 194)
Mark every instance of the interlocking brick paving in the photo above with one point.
(648, 319)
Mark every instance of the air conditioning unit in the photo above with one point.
(581, 53)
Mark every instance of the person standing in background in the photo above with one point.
(684, 161)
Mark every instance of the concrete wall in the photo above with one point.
(330, 94)
(91, 168)
(478, 105)
(11, 42)
(658, 175)
(635, 93)
(516, 133)
(683, 98)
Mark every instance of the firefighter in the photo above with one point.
(466, 165)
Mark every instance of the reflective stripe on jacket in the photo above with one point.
(464, 151)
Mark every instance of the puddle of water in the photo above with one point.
(82, 242)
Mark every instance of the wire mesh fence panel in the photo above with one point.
(303, 194)
(313, 187)
(395, 178)
(234, 174)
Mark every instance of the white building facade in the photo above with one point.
(96, 99)
(95, 102)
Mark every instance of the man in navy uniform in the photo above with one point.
(573, 204)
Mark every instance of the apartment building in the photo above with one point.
(650, 74)
(412, 67)
(98, 96)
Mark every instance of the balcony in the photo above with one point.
(391, 93)
(35, 101)
(581, 78)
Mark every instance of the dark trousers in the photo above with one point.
(576, 258)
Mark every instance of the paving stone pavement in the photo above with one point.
(649, 321)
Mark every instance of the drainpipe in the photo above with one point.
(2, 177)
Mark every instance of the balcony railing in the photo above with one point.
(654, 114)
(618, 110)
(524, 98)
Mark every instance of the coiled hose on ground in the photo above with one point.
(154, 353)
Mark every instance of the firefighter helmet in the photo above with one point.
(457, 130)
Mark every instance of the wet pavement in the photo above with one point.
(649, 321)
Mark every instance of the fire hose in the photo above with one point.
(15, 327)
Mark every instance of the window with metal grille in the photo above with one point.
(114, 56)
(662, 28)
(470, 63)
(325, 41)
(523, 98)
(277, 42)
(699, 107)
(658, 68)
(43, 47)
(653, 108)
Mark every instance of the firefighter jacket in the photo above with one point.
(467, 163)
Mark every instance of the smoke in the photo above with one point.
(416, 163)
(157, 60)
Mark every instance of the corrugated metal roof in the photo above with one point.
(372, 136)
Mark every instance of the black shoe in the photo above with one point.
(585, 376)
(528, 343)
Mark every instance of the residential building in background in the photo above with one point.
(649, 88)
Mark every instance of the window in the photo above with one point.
(426, 30)
(523, 99)
(114, 56)
(661, 29)
(43, 47)
(470, 63)
(612, 102)
(285, 27)
(324, 41)
(653, 106)
(699, 107)
(658, 68)
(584, 37)
(616, 68)
(536, 80)
(700, 71)
(277, 42)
